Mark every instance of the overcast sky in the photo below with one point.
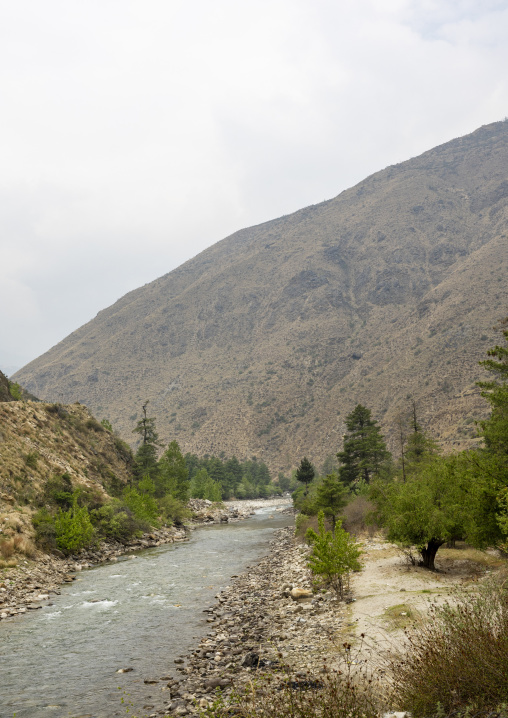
(136, 133)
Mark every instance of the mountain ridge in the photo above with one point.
(251, 346)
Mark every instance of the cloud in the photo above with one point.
(136, 134)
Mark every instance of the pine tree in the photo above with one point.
(364, 454)
(305, 473)
(331, 496)
(173, 474)
(145, 460)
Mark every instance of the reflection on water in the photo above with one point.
(140, 614)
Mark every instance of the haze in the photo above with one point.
(134, 134)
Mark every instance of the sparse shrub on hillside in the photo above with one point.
(123, 450)
(31, 459)
(107, 425)
(94, 425)
(57, 409)
(59, 491)
(45, 533)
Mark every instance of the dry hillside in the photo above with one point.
(263, 343)
(39, 441)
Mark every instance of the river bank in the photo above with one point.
(29, 585)
(268, 616)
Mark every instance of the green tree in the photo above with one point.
(427, 510)
(305, 473)
(145, 459)
(173, 476)
(334, 554)
(364, 454)
(490, 463)
(331, 497)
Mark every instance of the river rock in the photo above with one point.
(299, 594)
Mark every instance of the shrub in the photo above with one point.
(458, 660)
(59, 491)
(15, 391)
(7, 548)
(31, 459)
(45, 533)
(173, 511)
(115, 521)
(143, 506)
(94, 425)
(356, 517)
(73, 529)
(334, 555)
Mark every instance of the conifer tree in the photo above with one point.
(364, 453)
(145, 459)
(305, 473)
(331, 497)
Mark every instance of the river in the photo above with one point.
(137, 613)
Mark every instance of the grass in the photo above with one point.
(400, 616)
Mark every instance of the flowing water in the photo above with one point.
(138, 613)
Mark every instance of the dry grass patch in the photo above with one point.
(400, 617)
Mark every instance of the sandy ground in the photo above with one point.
(390, 595)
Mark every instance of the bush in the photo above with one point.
(58, 491)
(45, 533)
(143, 506)
(73, 529)
(459, 658)
(173, 511)
(94, 425)
(115, 521)
(15, 391)
(356, 517)
(17, 544)
(334, 555)
(31, 459)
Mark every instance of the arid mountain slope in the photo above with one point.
(263, 343)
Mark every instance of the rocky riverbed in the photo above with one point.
(267, 617)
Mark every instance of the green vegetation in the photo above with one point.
(334, 554)
(217, 478)
(364, 455)
(305, 474)
(458, 660)
(424, 499)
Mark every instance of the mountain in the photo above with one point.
(263, 343)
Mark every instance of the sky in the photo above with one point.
(136, 133)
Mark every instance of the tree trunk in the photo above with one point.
(429, 553)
